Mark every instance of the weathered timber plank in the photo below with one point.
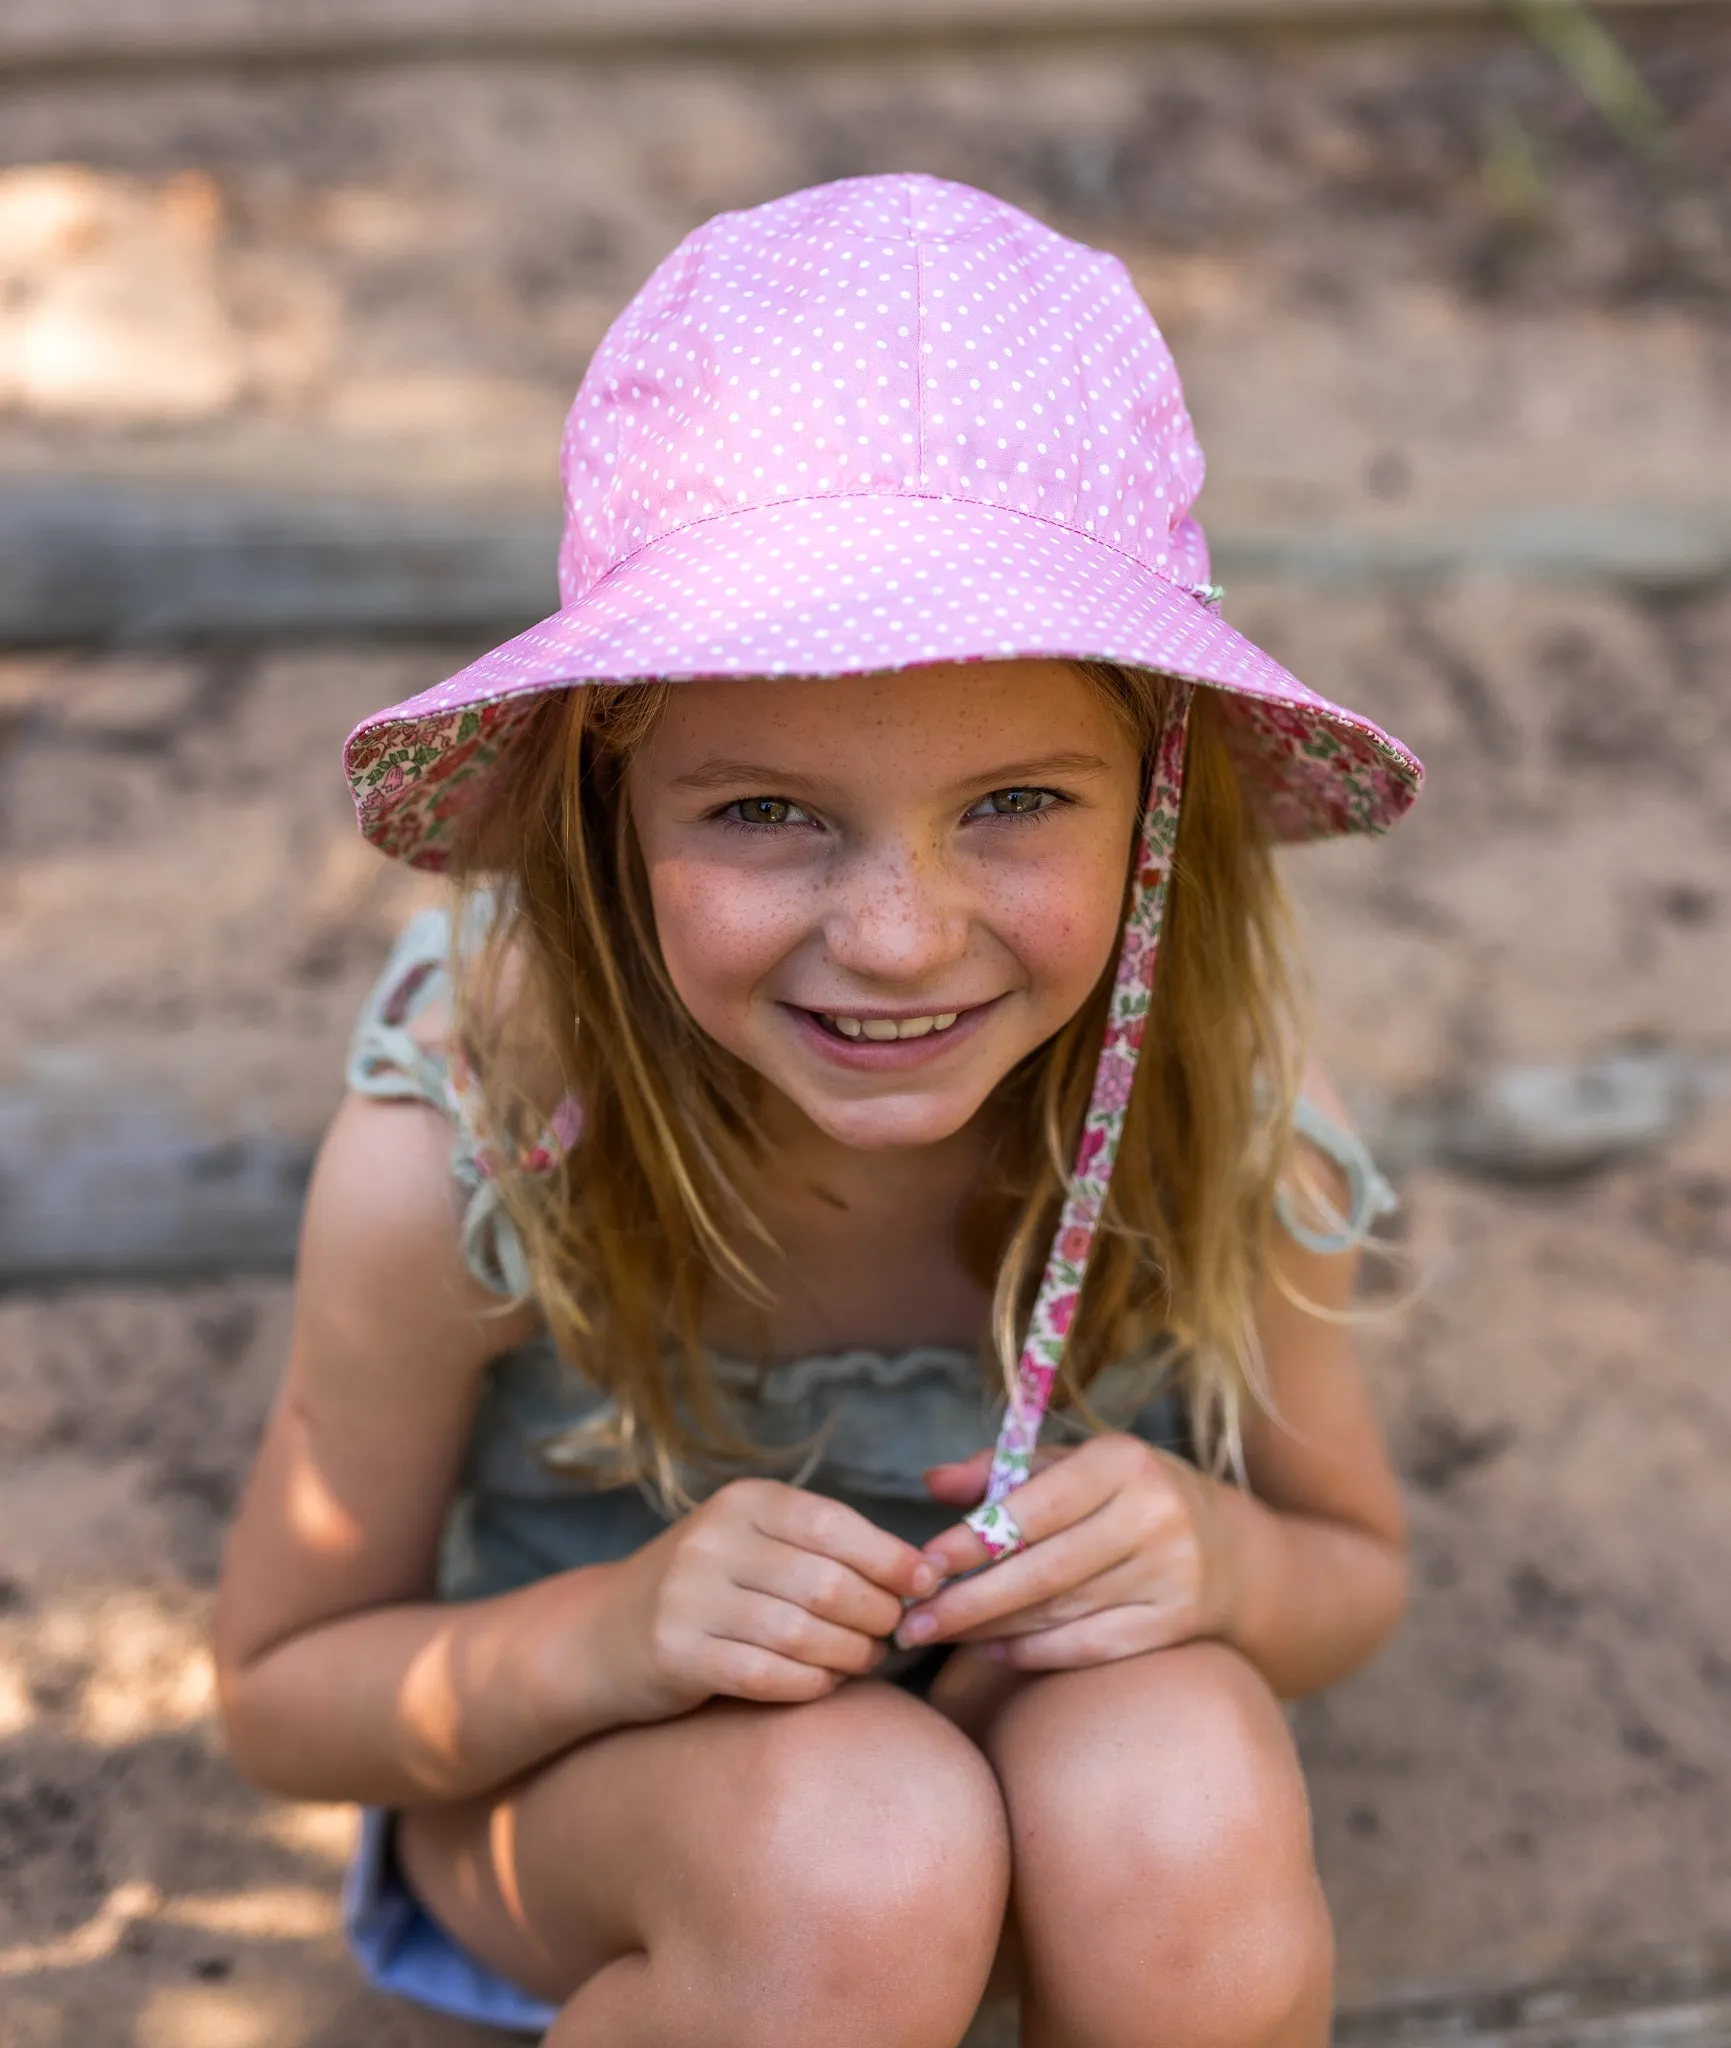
(125, 564)
(92, 1191)
(1679, 1998)
(46, 34)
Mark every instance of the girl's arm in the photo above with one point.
(341, 1676)
(1314, 1557)
(1311, 1562)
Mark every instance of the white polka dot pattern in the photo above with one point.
(874, 424)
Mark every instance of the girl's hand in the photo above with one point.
(762, 1593)
(1128, 1550)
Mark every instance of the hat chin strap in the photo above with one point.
(1102, 1127)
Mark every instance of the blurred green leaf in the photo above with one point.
(1597, 63)
(1513, 175)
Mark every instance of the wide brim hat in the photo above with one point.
(870, 427)
(851, 586)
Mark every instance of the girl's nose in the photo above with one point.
(897, 917)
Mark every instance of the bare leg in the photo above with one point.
(830, 1875)
(1164, 1889)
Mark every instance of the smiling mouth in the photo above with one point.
(882, 1030)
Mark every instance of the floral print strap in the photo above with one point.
(1102, 1127)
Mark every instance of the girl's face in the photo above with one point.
(882, 892)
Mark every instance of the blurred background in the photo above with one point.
(291, 302)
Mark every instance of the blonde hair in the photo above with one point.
(648, 1212)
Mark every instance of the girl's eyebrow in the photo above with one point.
(1008, 773)
(728, 774)
(757, 774)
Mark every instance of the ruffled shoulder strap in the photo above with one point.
(385, 1059)
(388, 1062)
(1369, 1195)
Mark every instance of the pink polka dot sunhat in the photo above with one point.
(871, 425)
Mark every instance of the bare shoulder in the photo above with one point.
(381, 1270)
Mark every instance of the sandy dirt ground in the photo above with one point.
(1384, 318)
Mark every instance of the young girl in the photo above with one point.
(791, 1108)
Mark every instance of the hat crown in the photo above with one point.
(882, 337)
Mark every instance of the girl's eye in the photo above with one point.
(1015, 803)
(764, 812)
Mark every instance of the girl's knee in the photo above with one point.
(834, 1872)
(1163, 1852)
(1181, 1758)
(870, 1828)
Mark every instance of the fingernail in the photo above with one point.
(916, 1629)
(927, 1576)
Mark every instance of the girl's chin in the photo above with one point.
(898, 1126)
(890, 1118)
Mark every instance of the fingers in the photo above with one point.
(802, 1581)
(1060, 1493)
(767, 1593)
(823, 1586)
(1059, 1564)
(746, 1671)
(1118, 1586)
(962, 1483)
(1100, 1638)
(830, 1529)
(794, 1633)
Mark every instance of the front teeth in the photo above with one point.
(882, 1029)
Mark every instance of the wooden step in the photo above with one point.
(1680, 2000)
(108, 34)
(128, 562)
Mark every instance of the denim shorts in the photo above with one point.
(404, 1951)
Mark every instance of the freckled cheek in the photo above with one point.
(722, 932)
(1062, 930)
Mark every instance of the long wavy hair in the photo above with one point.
(650, 1211)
